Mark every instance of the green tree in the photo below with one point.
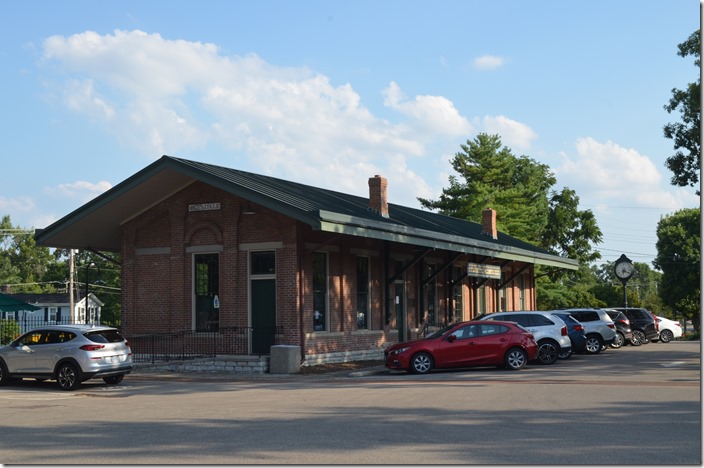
(679, 258)
(574, 289)
(23, 263)
(519, 189)
(9, 330)
(570, 232)
(9, 273)
(684, 164)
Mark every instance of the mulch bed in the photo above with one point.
(338, 367)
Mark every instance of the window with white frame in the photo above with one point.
(431, 295)
(53, 312)
(482, 300)
(320, 291)
(457, 298)
(521, 293)
(363, 319)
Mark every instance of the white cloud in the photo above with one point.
(17, 204)
(489, 62)
(515, 135)
(607, 172)
(80, 189)
(163, 96)
(435, 114)
(80, 96)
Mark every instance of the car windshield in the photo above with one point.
(440, 332)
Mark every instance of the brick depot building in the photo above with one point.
(208, 248)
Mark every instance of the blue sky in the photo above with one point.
(329, 93)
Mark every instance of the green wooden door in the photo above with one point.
(263, 294)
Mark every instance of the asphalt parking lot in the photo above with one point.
(627, 406)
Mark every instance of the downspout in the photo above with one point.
(301, 300)
(387, 286)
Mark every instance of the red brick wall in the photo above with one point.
(157, 273)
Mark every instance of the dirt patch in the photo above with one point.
(339, 367)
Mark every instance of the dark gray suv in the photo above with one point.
(643, 325)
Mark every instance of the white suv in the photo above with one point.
(549, 331)
(70, 354)
(599, 328)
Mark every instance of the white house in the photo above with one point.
(54, 309)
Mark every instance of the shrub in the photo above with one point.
(9, 330)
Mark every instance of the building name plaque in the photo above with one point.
(483, 271)
(204, 207)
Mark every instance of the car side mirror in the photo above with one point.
(451, 338)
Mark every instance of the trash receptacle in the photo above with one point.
(285, 359)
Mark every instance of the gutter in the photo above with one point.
(361, 227)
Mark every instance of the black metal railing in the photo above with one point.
(189, 344)
(170, 346)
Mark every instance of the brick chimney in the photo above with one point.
(377, 196)
(489, 223)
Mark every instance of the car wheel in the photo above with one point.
(114, 379)
(618, 341)
(515, 359)
(547, 352)
(67, 377)
(4, 376)
(421, 363)
(638, 338)
(666, 336)
(594, 344)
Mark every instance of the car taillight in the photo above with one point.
(611, 325)
(626, 322)
(578, 327)
(127, 343)
(655, 319)
(563, 331)
(92, 347)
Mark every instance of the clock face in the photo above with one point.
(624, 270)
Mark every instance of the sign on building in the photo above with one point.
(483, 271)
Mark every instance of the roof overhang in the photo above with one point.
(97, 225)
(349, 225)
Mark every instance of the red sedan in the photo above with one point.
(466, 344)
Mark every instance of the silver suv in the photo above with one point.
(549, 331)
(599, 328)
(70, 354)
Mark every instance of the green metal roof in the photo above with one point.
(96, 225)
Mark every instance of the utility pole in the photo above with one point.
(71, 274)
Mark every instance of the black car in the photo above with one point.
(575, 330)
(643, 325)
(623, 329)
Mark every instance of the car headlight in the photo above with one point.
(400, 350)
